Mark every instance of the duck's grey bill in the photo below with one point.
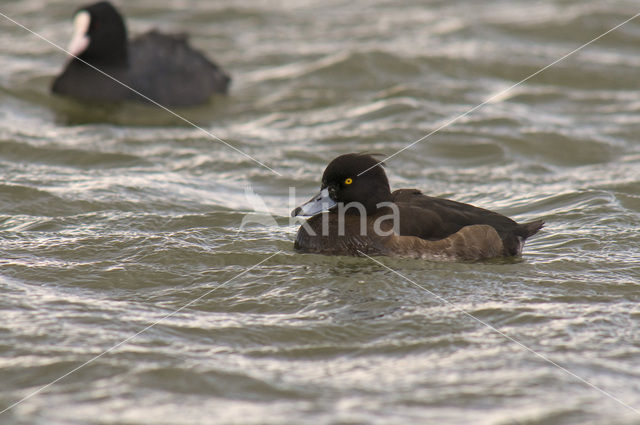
(321, 202)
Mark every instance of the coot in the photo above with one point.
(160, 66)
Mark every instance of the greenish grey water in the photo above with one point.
(113, 217)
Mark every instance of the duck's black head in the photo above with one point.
(100, 35)
(353, 177)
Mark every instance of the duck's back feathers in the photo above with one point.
(165, 68)
(434, 218)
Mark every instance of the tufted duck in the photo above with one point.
(364, 216)
(162, 67)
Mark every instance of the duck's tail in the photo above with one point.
(515, 242)
(531, 228)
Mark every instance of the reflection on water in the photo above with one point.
(112, 217)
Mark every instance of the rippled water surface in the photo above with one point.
(114, 217)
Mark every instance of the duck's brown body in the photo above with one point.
(475, 242)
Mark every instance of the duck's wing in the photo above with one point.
(434, 218)
(165, 68)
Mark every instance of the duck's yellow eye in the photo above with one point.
(348, 181)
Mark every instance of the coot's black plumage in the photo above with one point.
(428, 227)
(160, 66)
